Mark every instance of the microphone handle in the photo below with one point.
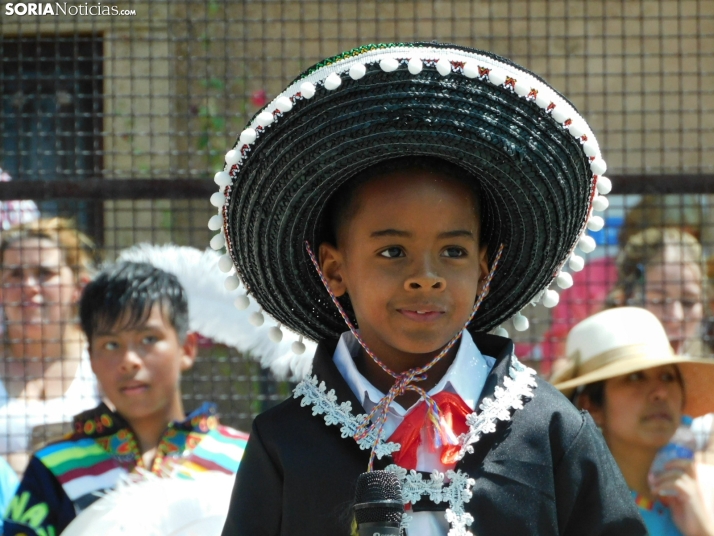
(378, 529)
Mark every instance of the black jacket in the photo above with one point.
(546, 471)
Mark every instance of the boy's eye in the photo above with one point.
(111, 345)
(454, 252)
(149, 339)
(392, 252)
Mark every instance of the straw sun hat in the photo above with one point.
(536, 160)
(623, 340)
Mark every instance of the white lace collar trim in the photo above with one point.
(517, 389)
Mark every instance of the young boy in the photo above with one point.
(445, 189)
(135, 317)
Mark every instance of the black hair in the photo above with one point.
(341, 207)
(126, 292)
(595, 392)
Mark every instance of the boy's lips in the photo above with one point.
(134, 388)
(422, 314)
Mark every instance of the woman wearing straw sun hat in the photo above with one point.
(622, 370)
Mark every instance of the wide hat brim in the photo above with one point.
(697, 375)
(535, 158)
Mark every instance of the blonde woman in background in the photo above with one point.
(662, 271)
(44, 369)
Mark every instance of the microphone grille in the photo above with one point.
(376, 487)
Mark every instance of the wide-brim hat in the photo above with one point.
(620, 341)
(535, 158)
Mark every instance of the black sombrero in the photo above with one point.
(537, 161)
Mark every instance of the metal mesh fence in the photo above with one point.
(119, 120)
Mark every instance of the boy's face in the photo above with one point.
(139, 369)
(410, 259)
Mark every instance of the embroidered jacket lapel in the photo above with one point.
(502, 349)
(326, 371)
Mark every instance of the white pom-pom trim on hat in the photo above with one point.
(357, 71)
(284, 104)
(521, 89)
(218, 241)
(218, 199)
(389, 64)
(225, 263)
(415, 66)
(265, 118)
(598, 166)
(248, 136)
(242, 302)
(559, 114)
(564, 280)
(215, 223)
(596, 223)
(500, 331)
(587, 244)
(443, 67)
(520, 322)
(333, 81)
(543, 99)
(590, 149)
(232, 157)
(231, 283)
(604, 185)
(550, 298)
(576, 263)
(470, 70)
(307, 90)
(298, 347)
(275, 334)
(497, 77)
(257, 318)
(600, 203)
(577, 129)
(222, 178)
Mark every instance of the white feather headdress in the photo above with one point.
(155, 506)
(213, 313)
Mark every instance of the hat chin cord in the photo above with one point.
(378, 416)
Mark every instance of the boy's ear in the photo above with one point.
(332, 265)
(190, 347)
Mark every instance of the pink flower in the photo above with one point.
(259, 98)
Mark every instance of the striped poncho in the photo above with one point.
(66, 476)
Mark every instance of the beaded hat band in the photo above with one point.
(537, 162)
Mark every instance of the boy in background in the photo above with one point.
(135, 317)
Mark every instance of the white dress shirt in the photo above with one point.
(466, 377)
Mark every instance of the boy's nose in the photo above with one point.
(425, 279)
(131, 360)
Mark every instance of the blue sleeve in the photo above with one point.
(8, 485)
(40, 506)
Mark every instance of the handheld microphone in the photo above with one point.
(378, 504)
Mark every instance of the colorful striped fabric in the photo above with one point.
(103, 449)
